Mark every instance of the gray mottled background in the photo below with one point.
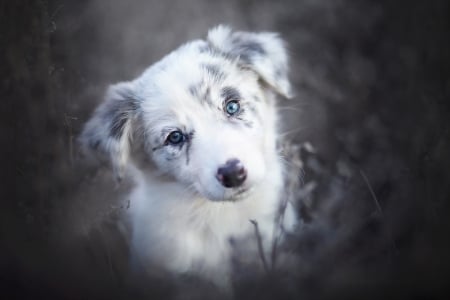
(372, 82)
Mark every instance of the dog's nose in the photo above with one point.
(232, 173)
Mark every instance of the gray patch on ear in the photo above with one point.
(122, 113)
(106, 136)
(118, 124)
(265, 53)
(248, 50)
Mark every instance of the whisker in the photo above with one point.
(291, 108)
(293, 131)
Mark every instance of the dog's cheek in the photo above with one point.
(199, 168)
(177, 165)
(165, 160)
(254, 160)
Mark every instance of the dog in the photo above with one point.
(198, 133)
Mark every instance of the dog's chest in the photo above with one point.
(188, 234)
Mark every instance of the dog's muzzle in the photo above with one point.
(232, 174)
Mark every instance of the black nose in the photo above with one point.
(232, 173)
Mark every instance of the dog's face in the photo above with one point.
(204, 115)
(204, 124)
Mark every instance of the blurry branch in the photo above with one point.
(68, 122)
(108, 254)
(293, 178)
(366, 180)
(278, 230)
(53, 18)
(260, 246)
(378, 206)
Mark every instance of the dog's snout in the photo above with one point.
(232, 173)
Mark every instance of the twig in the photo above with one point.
(277, 231)
(366, 180)
(108, 256)
(291, 184)
(67, 121)
(377, 203)
(56, 11)
(260, 246)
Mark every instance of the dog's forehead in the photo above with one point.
(193, 75)
(197, 62)
(188, 63)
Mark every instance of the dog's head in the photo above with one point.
(204, 114)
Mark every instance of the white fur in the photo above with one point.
(183, 218)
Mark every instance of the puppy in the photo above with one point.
(198, 133)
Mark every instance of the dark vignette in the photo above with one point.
(373, 81)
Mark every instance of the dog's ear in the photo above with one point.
(265, 53)
(107, 135)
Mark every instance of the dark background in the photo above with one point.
(372, 82)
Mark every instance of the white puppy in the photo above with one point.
(198, 129)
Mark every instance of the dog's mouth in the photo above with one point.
(228, 194)
(234, 195)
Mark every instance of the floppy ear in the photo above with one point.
(107, 135)
(265, 53)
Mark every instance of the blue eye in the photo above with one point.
(232, 107)
(176, 137)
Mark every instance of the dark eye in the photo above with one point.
(232, 107)
(175, 137)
